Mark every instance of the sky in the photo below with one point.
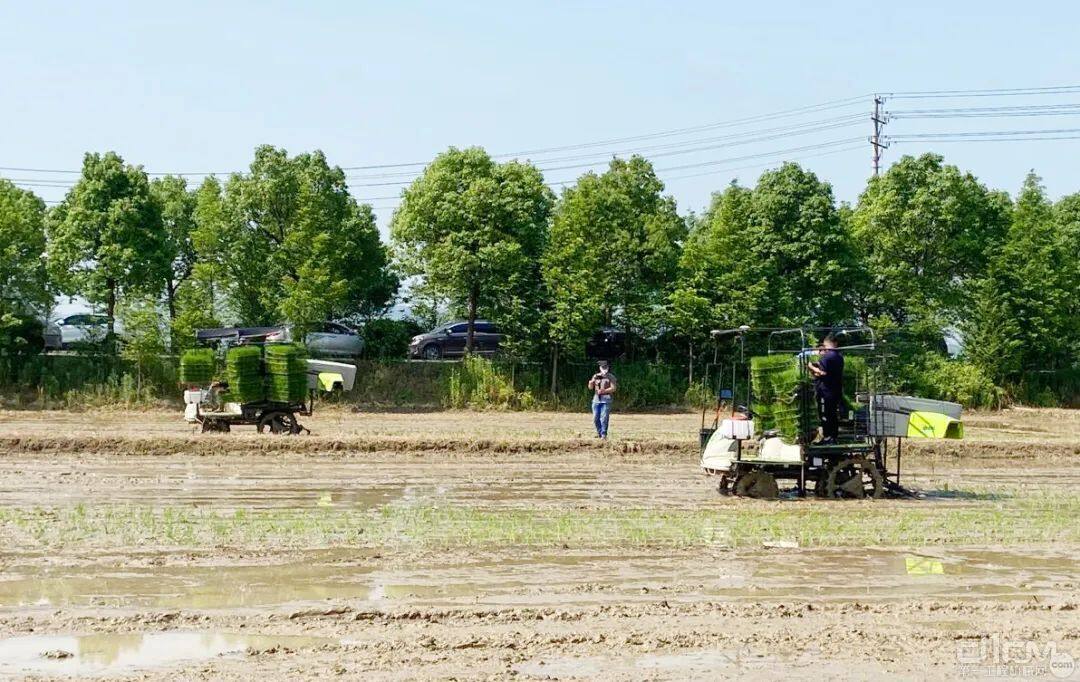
(196, 86)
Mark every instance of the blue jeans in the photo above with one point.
(601, 413)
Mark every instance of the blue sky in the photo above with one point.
(195, 86)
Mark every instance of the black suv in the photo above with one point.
(448, 341)
(608, 343)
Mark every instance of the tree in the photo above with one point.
(927, 232)
(1067, 217)
(23, 290)
(776, 255)
(614, 250)
(144, 335)
(286, 241)
(474, 231)
(105, 237)
(177, 208)
(1026, 317)
(710, 265)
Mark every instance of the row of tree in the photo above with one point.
(926, 248)
(927, 251)
(282, 242)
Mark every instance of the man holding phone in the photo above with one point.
(603, 385)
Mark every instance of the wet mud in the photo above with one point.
(141, 611)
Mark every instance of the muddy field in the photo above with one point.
(438, 545)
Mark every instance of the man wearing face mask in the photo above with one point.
(603, 385)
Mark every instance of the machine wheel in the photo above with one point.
(215, 426)
(279, 423)
(758, 484)
(854, 478)
(724, 488)
(432, 352)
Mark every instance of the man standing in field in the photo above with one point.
(828, 373)
(603, 385)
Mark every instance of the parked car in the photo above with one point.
(448, 341)
(85, 329)
(608, 343)
(326, 339)
(53, 337)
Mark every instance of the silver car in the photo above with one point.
(328, 339)
(53, 337)
(84, 328)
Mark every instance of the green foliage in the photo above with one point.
(1025, 317)
(775, 255)
(956, 380)
(22, 334)
(105, 237)
(386, 338)
(23, 290)
(144, 335)
(926, 230)
(286, 241)
(176, 206)
(613, 253)
(244, 369)
(477, 383)
(194, 311)
(84, 381)
(474, 231)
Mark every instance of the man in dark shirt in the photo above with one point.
(828, 373)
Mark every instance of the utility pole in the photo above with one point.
(876, 144)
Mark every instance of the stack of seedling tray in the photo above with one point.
(779, 387)
(244, 368)
(286, 370)
(197, 367)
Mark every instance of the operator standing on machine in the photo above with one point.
(828, 373)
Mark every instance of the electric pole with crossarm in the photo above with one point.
(876, 144)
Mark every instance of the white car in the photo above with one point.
(326, 339)
(84, 328)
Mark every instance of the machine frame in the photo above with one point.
(858, 465)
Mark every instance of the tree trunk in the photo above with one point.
(110, 313)
(690, 378)
(555, 371)
(170, 295)
(470, 333)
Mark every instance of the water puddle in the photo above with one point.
(264, 484)
(538, 578)
(197, 587)
(102, 654)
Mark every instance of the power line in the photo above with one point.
(781, 154)
(982, 133)
(694, 145)
(580, 166)
(848, 148)
(990, 112)
(823, 106)
(997, 139)
(991, 92)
